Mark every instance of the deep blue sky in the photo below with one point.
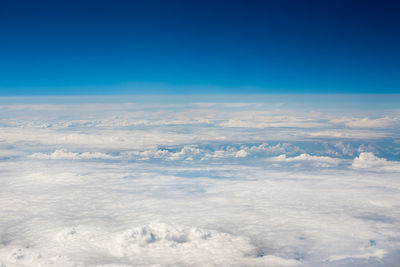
(128, 47)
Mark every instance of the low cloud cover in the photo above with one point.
(198, 184)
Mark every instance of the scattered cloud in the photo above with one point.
(367, 160)
(321, 161)
(187, 152)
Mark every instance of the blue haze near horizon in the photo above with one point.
(192, 47)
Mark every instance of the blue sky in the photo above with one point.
(153, 47)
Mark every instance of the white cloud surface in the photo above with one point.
(204, 184)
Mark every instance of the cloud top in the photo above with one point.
(367, 160)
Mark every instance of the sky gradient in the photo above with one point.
(162, 47)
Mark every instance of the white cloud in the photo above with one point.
(321, 161)
(130, 213)
(185, 153)
(273, 124)
(64, 154)
(191, 152)
(197, 185)
(152, 244)
(367, 122)
(366, 254)
(348, 134)
(367, 160)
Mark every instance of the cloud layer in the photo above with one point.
(198, 184)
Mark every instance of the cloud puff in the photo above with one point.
(185, 153)
(64, 154)
(321, 161)
(153, 244)
(367, 160)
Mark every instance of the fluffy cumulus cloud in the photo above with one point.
(198, 184)
(367, 160)
(153, 244)
(323, 161)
